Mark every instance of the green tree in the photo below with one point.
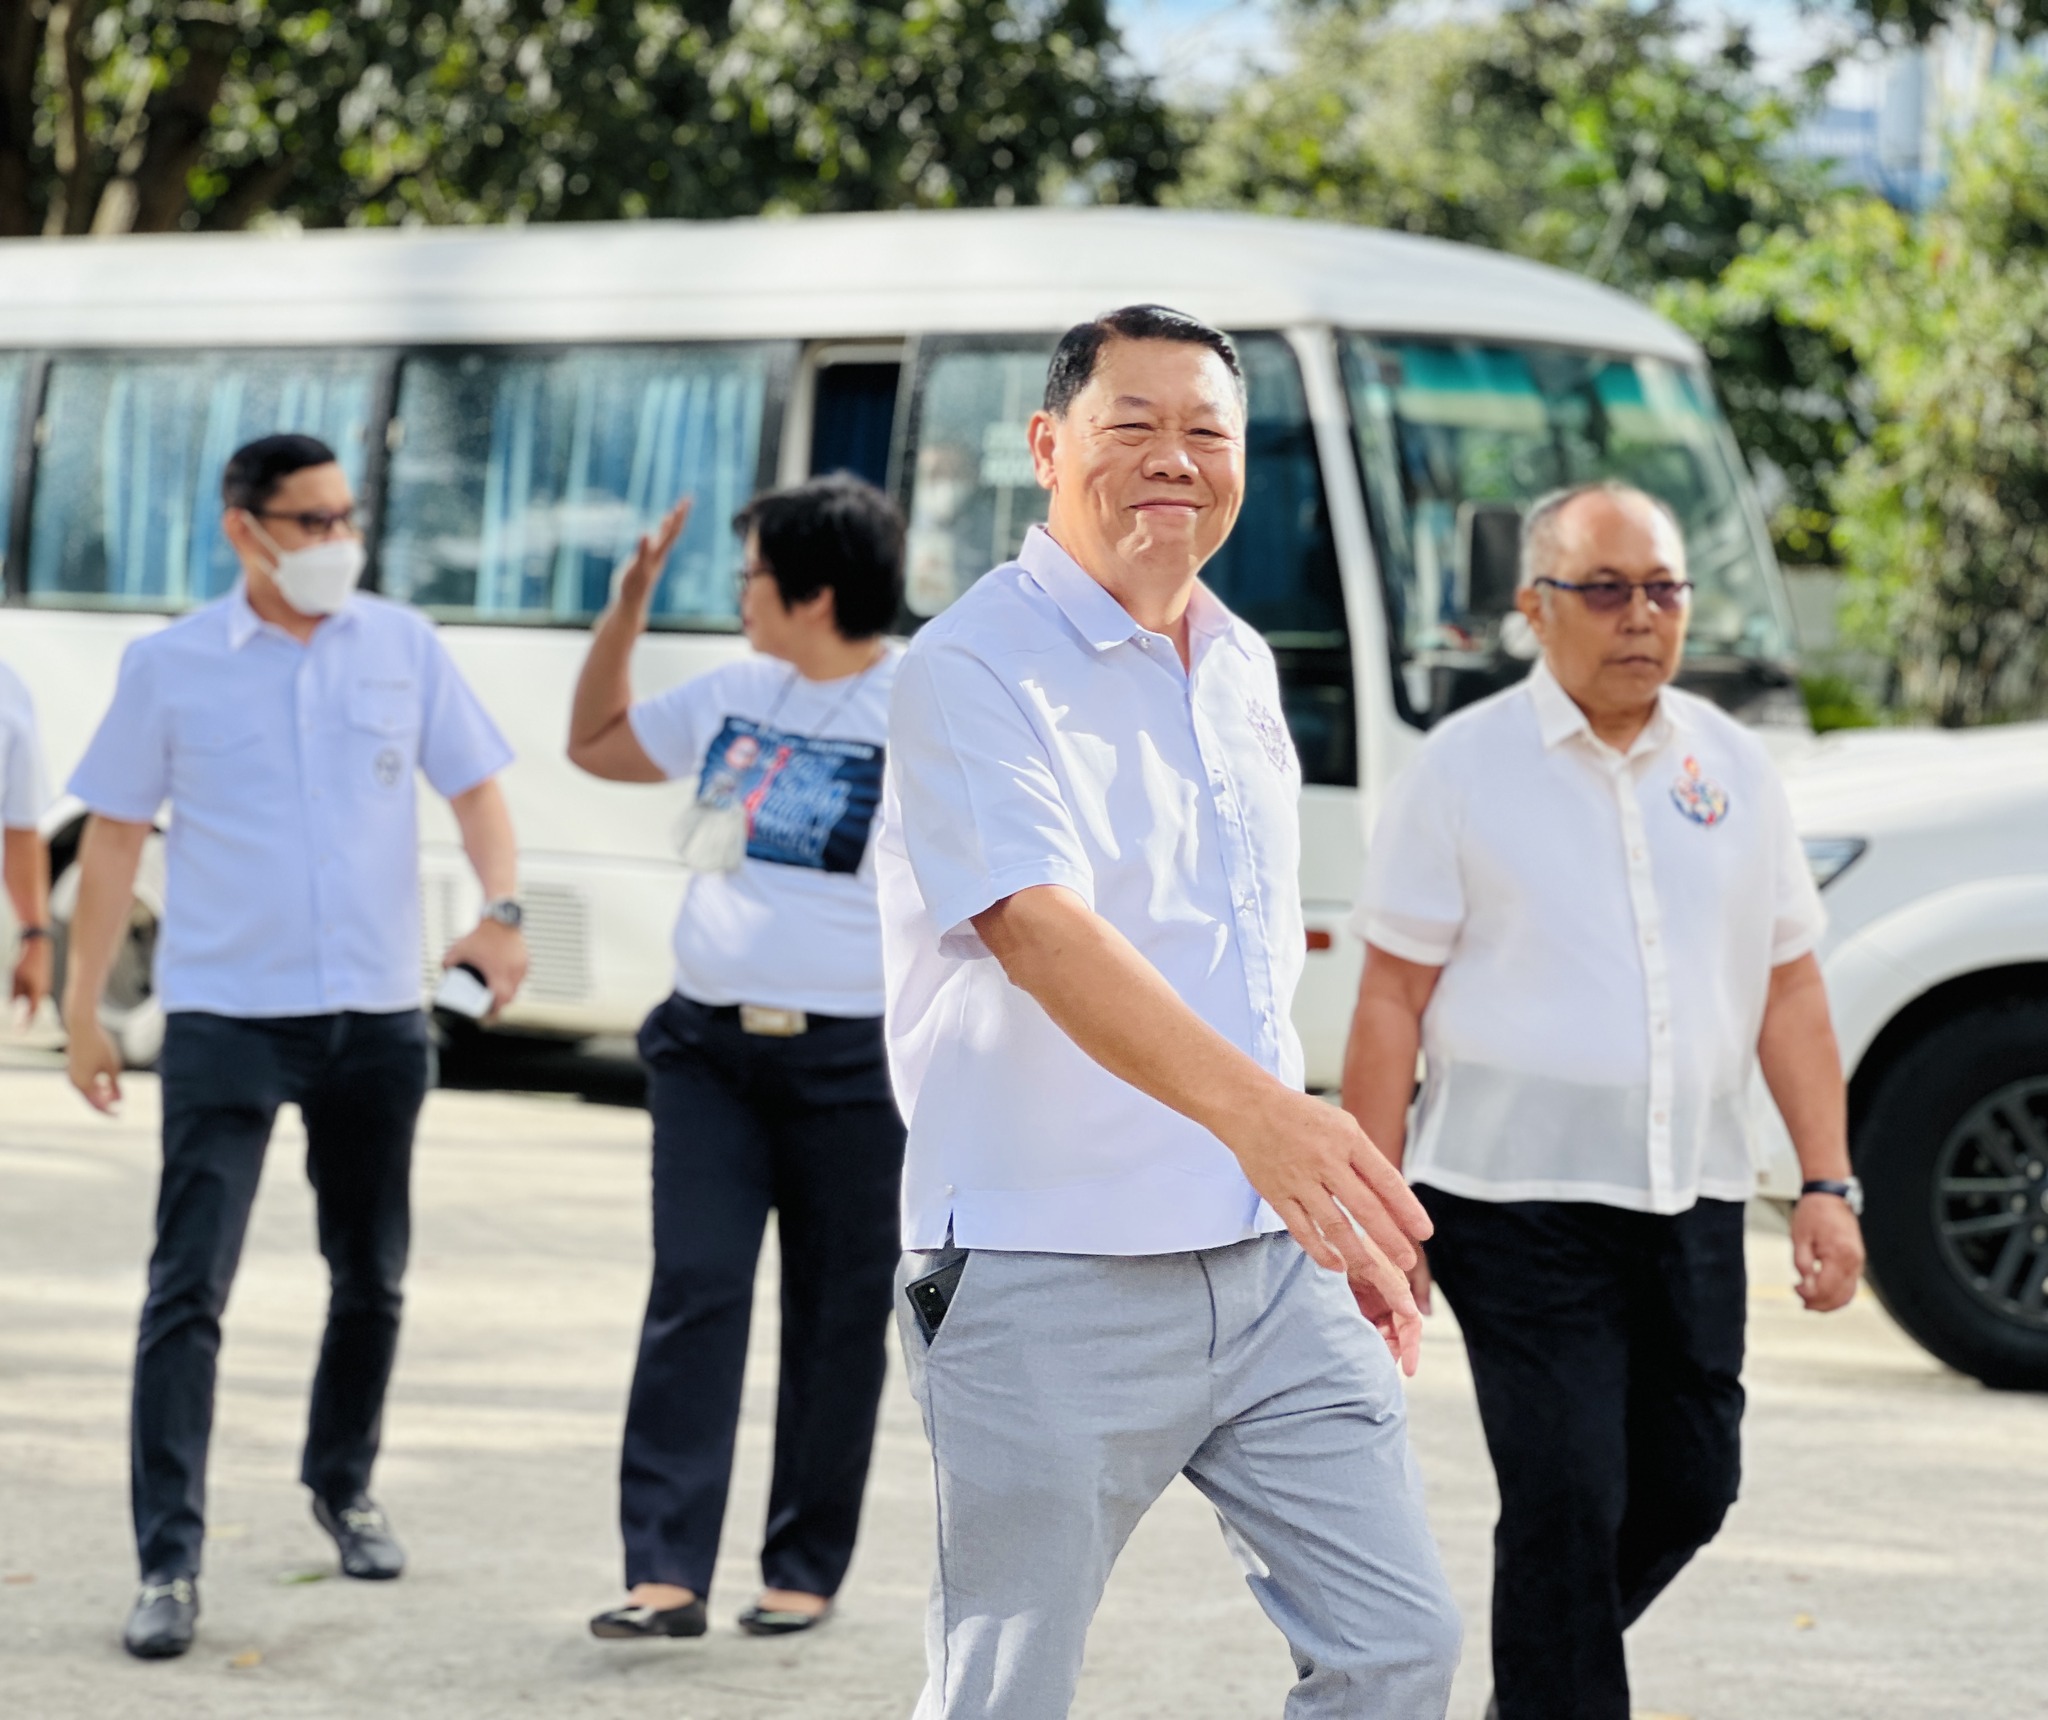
(136, 115)
(1589, 134)
(1941, 514)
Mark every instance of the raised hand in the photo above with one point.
(634, 588)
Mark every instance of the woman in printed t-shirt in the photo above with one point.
(765, 1066)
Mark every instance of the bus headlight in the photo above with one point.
(1831, 856)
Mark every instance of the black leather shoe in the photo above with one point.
(624, 1623)
(771, 1621)
(160, 1623)
(363, 1533)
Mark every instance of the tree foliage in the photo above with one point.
(1590, 134)
(136, 115)
(1942, 512)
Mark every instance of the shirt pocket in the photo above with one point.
(383, 739)
(386, 708)
(215, 734)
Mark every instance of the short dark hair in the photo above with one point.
(255, 469)
(1074, 359)
(837, 532)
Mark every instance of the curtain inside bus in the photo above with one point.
(519, 480)
(972, 494)
(126, 511)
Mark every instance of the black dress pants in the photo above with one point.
(1606, 1347)
(806, 1125)
(358, 1081)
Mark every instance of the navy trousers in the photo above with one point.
(358, 1081)
(1606, 1347)
(743, 1123)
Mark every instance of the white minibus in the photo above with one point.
(515, 404)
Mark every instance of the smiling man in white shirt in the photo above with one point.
(1586, 904)
(1091, 934)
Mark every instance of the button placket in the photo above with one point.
(1241, 875)
(1651, 952)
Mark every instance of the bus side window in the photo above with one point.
(126, 510)
(522, 479)
(13, 381)
(972, 494)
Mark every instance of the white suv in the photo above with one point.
(1931, 848)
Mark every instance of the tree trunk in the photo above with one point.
(150, 195)
(21, 41)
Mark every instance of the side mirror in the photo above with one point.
(1489, 558)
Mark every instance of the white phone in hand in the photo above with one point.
(462, 991)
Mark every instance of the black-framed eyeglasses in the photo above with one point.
(749, 572)
(1611, 596)
(317, 522)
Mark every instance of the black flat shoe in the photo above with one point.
(622, 1624)
(363, 1534)
(161, 1622)
(770, 1621)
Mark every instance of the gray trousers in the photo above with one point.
(1064, 1392)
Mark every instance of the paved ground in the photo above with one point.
(1885, 1561)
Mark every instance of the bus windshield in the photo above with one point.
(1442, 425)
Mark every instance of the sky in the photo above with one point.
(1204, 41)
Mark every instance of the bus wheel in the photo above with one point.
(129, 1010)
(1953, 1153)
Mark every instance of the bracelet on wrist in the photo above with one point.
(30, 934)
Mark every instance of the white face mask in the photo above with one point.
(318, 579)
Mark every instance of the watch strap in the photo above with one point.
(1850, 1191)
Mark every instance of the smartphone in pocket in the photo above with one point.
(932, 1295)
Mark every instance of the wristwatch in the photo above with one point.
(506, 911)
(1851, 1191)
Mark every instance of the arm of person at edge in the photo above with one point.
(496, 951)
(1803, 1068)
(601, 740)
(25, 861)
(1379, 1063)
(108, 855)
(1342, 1201)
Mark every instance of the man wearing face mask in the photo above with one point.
(283, 724)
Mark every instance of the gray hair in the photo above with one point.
(1540, 522)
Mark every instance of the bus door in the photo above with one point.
(853, 409)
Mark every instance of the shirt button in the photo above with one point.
(1660, 1117)
(1635, 853)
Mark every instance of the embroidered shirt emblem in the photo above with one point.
(389, 767)
(1698, 797)
(1273, 736)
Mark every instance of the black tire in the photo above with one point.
(1953, 1154)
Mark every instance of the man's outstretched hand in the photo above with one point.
(1350, 1209)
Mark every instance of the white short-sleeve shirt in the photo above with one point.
(794, 926)
(1040, 736)
(24, 790)
(292, 851)
(1606, 926)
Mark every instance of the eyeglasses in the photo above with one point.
(1611, 596)
(752, 571)
(317, 522)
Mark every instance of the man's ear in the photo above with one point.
(1041, 433)
(1529, 600)
(240, 531)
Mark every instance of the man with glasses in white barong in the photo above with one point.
(1586, 905)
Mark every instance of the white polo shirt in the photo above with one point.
(292, 853)
(1606, 925)
(24, 791)
(1039, 735)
